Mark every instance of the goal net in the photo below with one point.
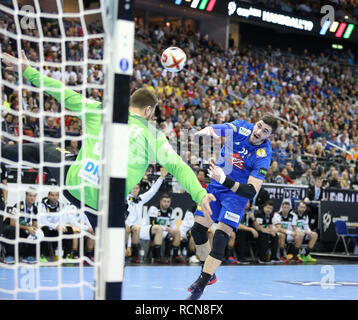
(54, 106)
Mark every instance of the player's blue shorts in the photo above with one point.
(228, 207)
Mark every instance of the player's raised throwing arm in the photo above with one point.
(217, 130)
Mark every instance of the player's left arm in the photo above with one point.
(246, 190)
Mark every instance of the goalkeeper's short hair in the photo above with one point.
(143, 98)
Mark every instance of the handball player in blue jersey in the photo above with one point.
(237, 177)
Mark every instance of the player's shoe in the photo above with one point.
(193, 260)
(276, 261)
(43, 259)
(160, 261)
(243, 261)
(29, 260)
(231, 260)
(9, 260)
(308, 258)
(212, 280)
(195, 294)
(297, 259)
(264, 261)
(134, 259)
(284, 260)
(178, 260)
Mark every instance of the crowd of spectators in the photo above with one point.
(315, 97)
(74, 76)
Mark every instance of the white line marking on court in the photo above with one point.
(136, 285)
(2, 279)
(222, 292)
(248, 293)
(155, 287)
(266, 294)
(311, 298)
(47, 280)
(178, 288)
(288, 296)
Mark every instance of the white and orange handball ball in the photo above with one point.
(173, 59)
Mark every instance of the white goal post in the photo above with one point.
(89, 52)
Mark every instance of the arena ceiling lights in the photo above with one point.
(207, 5)
(270, 17)
(334, 30)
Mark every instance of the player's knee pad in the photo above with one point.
(220, 241)
(199, 233)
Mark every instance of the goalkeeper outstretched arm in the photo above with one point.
(73, 100)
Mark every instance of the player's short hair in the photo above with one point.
(54, 190)
(201, 170)
(301, 203)
(143, 98)
(165, 196)
(30, 190)
(271, 121)
(268, 203)
(286, 202)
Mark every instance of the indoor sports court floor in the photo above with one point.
(254, 282)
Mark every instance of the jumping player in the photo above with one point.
(237, 178)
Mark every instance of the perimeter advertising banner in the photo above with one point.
(278, 192)
(290, 22)
(332, 211)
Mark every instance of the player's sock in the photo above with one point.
(203, 280)
(295, 251)
(135, 250)
(213, 278)
(74, 253)
(308, 250)
(282, 252)
(90, 253)
(156, 252)
(175, 251)
(190, 253)
(229, 252)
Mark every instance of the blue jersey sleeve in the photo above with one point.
(262, 163)
(220, 129)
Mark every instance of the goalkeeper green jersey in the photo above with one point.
(146, 144)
